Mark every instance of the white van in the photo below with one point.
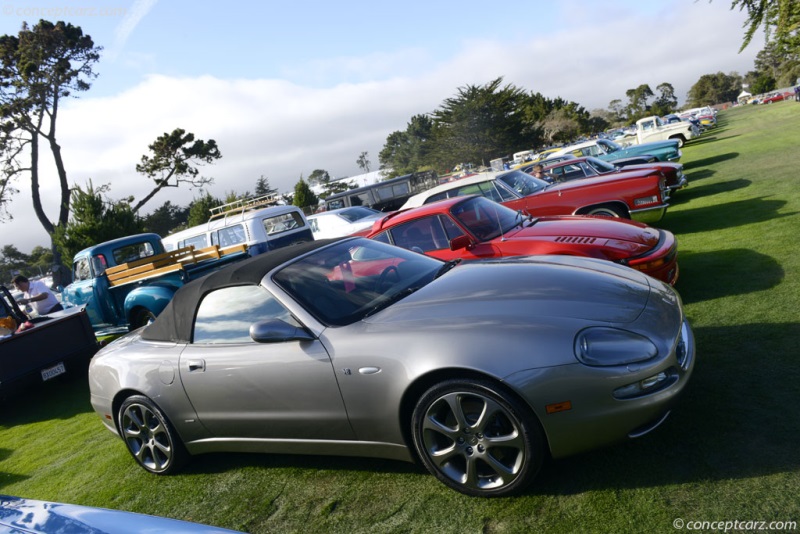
(257, 222)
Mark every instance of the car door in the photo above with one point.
(240, 388)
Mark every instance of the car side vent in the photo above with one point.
(575, 239)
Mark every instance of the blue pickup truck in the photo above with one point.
(127, 282)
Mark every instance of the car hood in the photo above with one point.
(551, 287)
(596, 231)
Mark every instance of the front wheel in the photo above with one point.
(149, 436)
(477, 439)
(607, 211)
(680, 139)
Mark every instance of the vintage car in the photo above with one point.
(641, 196)
(343, 221)
(30, 516)
(776, 97)
(587, 167)
(476, 228)
(605, 149)
(480, 370)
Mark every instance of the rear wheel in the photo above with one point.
(142, 318)
(149, 436)
(476, 438)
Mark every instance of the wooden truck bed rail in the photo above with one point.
(167, 262)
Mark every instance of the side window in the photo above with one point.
(232, 235)
(81, 270)
(451, 229)
(99, 264)
(314, 224)
(198, 241)
(438, 196)
(421, 235)
(225, 315)
(383, 237)
(489, 191)
(133, 252)
(283, 223)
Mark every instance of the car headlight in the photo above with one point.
(602, 346)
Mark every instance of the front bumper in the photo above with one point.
(649, 215)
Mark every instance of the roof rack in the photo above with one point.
(242, 205)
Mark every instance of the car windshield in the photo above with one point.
(485, 219)
(524, 184)
(356, 213)
(348, 280)
(601, 166)
(609, 146)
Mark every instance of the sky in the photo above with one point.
(289, 87)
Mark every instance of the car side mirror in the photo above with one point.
(462, 241)
(277, 331)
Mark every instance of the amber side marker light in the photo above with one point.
(558, 407)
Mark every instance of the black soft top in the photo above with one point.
(174, 324)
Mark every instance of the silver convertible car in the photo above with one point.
(353, 347)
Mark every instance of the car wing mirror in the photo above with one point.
(277, 331)
(462, 241)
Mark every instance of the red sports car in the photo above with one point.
(586, 167)
(474, 227)
(640, 195)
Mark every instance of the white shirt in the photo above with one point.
(37, 287)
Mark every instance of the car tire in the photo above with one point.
(680, 139)
(476, 438)
(605, 210)
(150, 437)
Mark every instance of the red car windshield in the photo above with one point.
(485, 219)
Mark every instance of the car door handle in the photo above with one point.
(197, 365)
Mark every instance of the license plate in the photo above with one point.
(54, 371)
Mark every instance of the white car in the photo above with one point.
(343, 221)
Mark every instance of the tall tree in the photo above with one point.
(200, 209)
(478, 124)
(165, 219)
(637, 101)
(304, 197)
(263, 188)
(714, 89)
(38, 68)
(407, 151)
(363, 162)
(780, 20)
(94, 219)
(174, 160)
(666, 101)
(319, 177)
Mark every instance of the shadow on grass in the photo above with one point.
(61, 398)
(700, 175)
(709, 161)
(721, 273)
(8, 478)
(723, 216)
(734, 422)
(691, 193)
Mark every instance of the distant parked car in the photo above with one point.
(588, 167)
(605, 149)
(641, 196)
(343, 221)
(476, 228)
(775, 97)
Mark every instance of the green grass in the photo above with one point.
(730, 451)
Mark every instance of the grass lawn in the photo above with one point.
(730, 451)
